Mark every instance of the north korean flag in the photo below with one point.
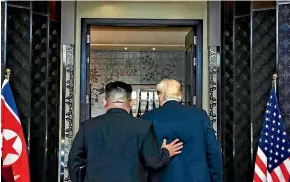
(15, 166)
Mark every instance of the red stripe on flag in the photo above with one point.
(284, 170)
(261, 165)
(257, 178)
(274, 176)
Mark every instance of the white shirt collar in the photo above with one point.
(170, 100)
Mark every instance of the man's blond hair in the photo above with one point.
(170, 89)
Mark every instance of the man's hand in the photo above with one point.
(174, 147)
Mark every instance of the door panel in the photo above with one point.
(190, 68)
(89, 83)
(85, 89)
(32, 41)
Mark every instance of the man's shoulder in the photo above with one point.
(141, 122)
(94, 121)
(187, 111)
(199, 113)
(148, 115)
(195, 110)
(102, 120)
(159, 110)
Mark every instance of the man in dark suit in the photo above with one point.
(116, 147)
(200, 160)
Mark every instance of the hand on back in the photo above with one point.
(174, 147)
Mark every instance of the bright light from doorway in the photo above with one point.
(153, 48)
(125, 48)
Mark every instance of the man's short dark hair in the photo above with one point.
(118, 91)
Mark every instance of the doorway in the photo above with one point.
(106, 49)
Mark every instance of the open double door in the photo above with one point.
(193, 69)
(191, 77)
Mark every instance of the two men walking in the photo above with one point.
(116, 147)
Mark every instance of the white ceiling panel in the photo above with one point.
(138, 38)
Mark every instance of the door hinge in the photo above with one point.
(194, 100)
(87, 99)
(88, 38)
(194, 61)
(194, 40)
(88, 60)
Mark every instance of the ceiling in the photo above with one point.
(138, 38)
(149, 0)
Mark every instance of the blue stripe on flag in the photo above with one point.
(8, 96)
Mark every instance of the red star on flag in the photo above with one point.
(8, 147)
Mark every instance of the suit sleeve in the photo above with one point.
(213, 152)
(153, 156)
(77, 155)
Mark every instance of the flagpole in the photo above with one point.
(274, 77)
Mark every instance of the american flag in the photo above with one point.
(272, 160)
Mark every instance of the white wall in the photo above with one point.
(214, 23)
(68, 22)
(149, 10)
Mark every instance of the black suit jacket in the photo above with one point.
(116, 147)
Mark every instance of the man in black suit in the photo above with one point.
(116, 147)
